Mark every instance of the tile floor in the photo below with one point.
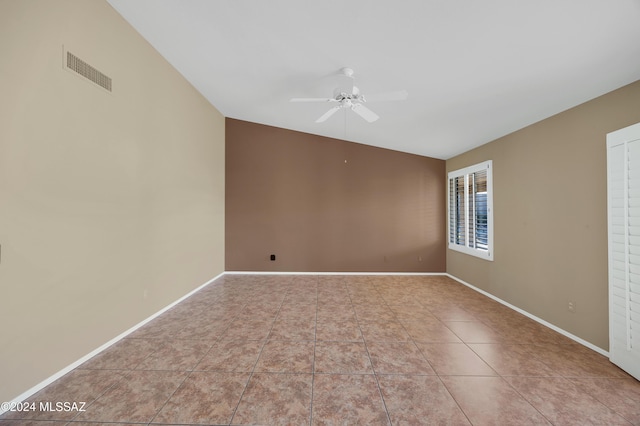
(342, 350)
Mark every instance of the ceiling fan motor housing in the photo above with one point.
(349, 96)
(340, 95)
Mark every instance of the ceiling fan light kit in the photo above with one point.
(353, 100)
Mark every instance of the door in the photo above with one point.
(623, 199)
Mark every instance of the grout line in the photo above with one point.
(315, 344)
(251, 374)
(366, 348)
(193, 368)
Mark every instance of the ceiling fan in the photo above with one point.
(350, 97)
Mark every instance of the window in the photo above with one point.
(471, 210)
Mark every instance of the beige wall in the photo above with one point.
(550, 213)
(323, 204)
(111, 205)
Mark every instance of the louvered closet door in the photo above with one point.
(623, 188)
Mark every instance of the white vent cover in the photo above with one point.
(87, 71)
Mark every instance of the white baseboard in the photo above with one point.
(332, 273)
(533, 317)
(23, 396)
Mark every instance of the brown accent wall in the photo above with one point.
(111, 204)
(550, 214)
(323, 204)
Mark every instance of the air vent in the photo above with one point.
(87, 71)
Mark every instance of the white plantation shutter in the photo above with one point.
(623, 193)
(457, 222)
(633, 247)
(470, 213)
(477, 203)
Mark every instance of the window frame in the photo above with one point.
(463, 206)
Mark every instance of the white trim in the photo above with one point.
(464, 248)
(533, 317)
(331, 273)
(95, 352)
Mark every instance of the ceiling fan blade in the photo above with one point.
(311, 100)
(327, 114)
(396, 95)
(365, 113)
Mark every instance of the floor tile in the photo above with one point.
(204, 398)
(385, 331)
(455, 359)
(307, 297)
(347, 399)
(338, 330)
(136, 398)
(575, 361)
(398, 358)
(450, 312)
(474, 332)
(248, 329)
(529, 332)
(180, 355)
(293, 329)
(413, 400)
(491, 401)
(336, 312)
(124, 355)
(209, 332)
(264, 308)
(374, 313)
(34, 423)
(336, 298)
(257, 349)
(233, 356)
(276, 399)
(621, 395)
(417, 314)
(563, 402)
(82, 386)
(165, 326)
(404, 303)
(364, 298)
(282, 356)
(342, 358)
(430, 332)
(511, 360)
(297, 311)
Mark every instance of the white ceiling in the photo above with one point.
(474, 70)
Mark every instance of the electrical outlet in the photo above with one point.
(571, 306)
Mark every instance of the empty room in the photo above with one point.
(343, 212)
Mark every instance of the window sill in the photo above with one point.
(482, 254)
